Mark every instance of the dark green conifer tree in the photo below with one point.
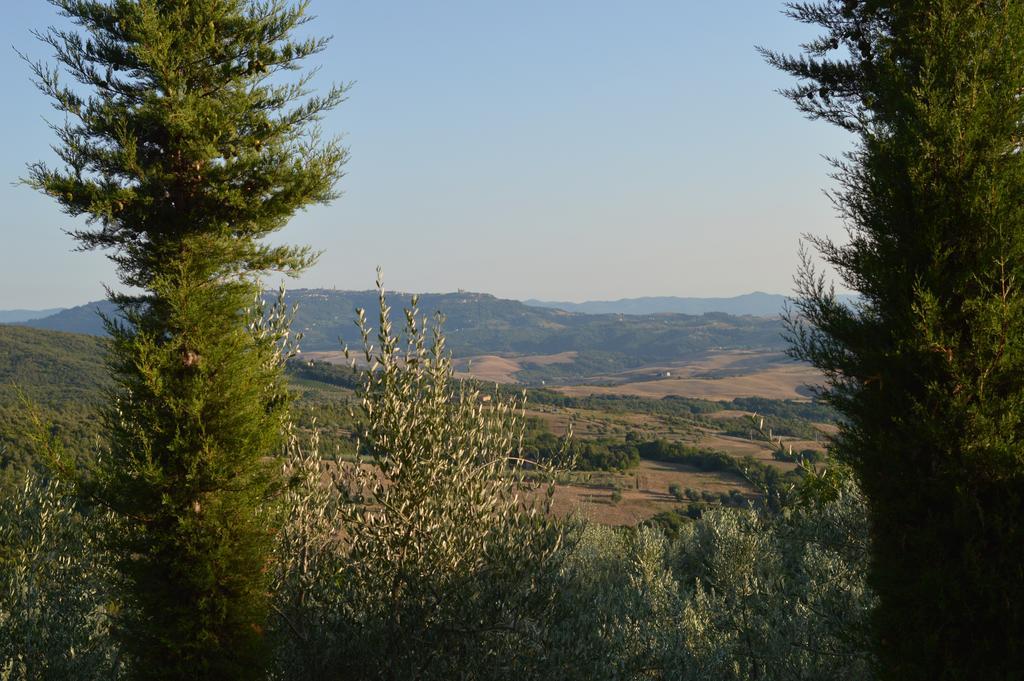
(928, 368)
(184, 144)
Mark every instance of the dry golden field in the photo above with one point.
(498, 369)
(715, 376)
(489, 368)
(712, 376)
(644, 491)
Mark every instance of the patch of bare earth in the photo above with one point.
(720, 376)
(329, 356)
(490, 368)
(727, 414)
(567, 357)
(644, 491)
(827, 428)
(740, 447)
(502, 369)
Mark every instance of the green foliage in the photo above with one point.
(184, 147)
(779, 597)
(444, 573)
(775, 485)
(588, 455)
(308, 586)
(443, 562)
(56, 596)
(445, 540)
(788, 418)
(324, 397)
(925, 369)
(813, 456)
(62, 376)
(726, 594)
(734, 596)
(813, 410)
(668, 406)
(323, 372)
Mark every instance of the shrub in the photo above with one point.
(442, 569)
(739, 595)
(55, 587)
(307, 600)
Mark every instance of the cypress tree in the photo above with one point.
(927, 368)
(184, 145)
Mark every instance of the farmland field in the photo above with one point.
(644, 491)
(700, 404)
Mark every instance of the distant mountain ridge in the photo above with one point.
(79, 319)
(758, 304)
(481, 324)
(15, 316)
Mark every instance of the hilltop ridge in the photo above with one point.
(482, 324)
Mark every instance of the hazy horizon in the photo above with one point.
(548, 300)
(570, 152)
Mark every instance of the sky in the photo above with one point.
(552, 149)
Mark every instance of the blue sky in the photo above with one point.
(560, 150)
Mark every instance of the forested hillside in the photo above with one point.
(62, 376)
(478, 323)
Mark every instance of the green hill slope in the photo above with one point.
(481, 324)
(63, 375)
(478, 323)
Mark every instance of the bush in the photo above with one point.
(447, 549)
(737, 595)
(589, 455)
(55, 587)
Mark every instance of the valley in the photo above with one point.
(659, 405)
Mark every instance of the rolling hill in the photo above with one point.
(757, 303)
(79, 319)
(481, 324)
(15, 316)
(62, 378)
(64, 375)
